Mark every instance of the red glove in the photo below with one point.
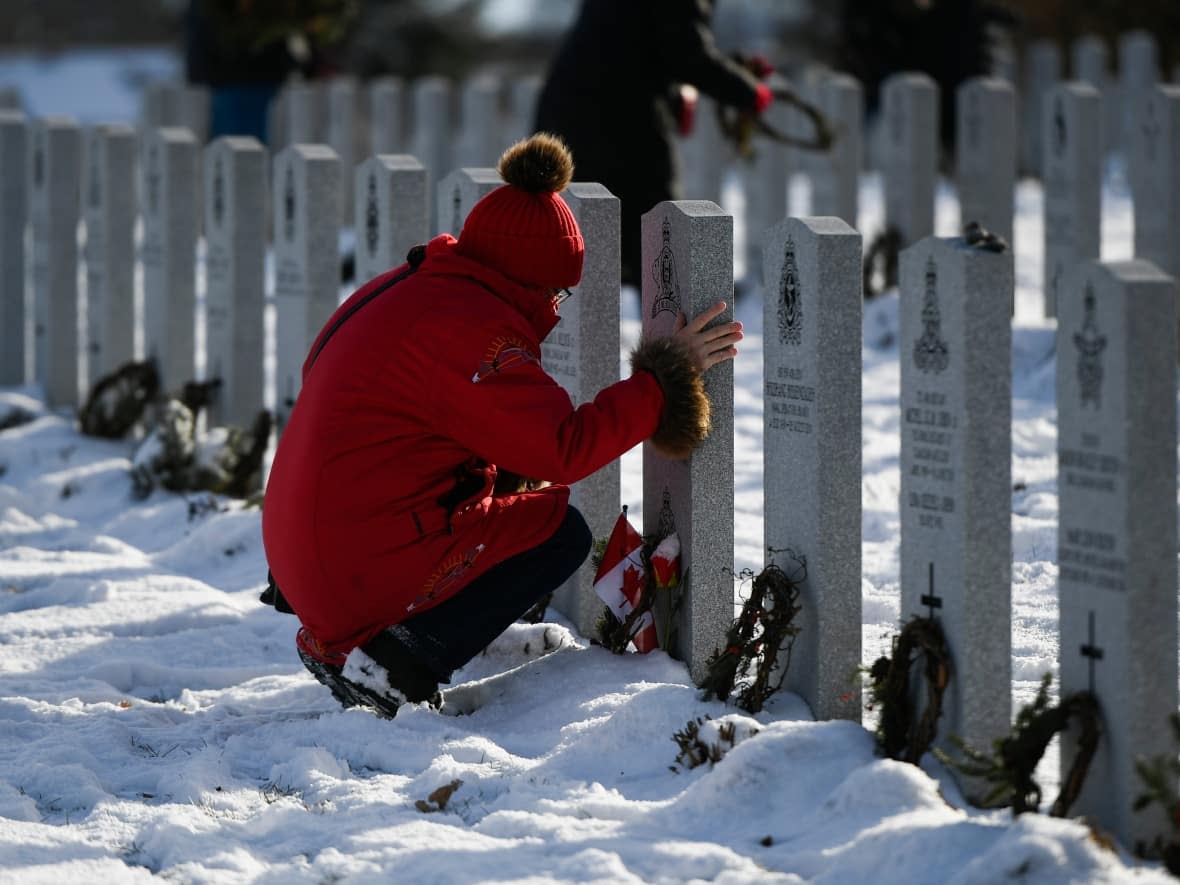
(762, 98)
(686, 109)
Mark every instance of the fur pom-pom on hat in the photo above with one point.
(524, 229)
(537, 165)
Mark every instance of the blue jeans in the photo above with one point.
(449, 635)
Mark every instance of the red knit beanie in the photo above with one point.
(524, 229)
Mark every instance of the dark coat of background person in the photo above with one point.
(609, 95)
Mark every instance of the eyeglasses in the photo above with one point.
(560, 295)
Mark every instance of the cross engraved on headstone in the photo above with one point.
(930, 350)
(1090, 344)
(664, 272)
(1091, 651)
(456, 210)
(929, 599)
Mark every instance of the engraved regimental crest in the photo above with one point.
(930, 350)
(457, 209)
(790, 305)
(372, 217)
(1090, 344)
(153, 180)
(666, 522)
(1059, 129)
(289, 204)
(663, 271)
(218, 191)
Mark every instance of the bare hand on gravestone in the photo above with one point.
(712, 345)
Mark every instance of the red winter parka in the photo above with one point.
(380, 501)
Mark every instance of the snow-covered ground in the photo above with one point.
(154, 718)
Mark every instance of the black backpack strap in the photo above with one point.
(414, 258)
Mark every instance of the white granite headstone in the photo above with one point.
(956, 489)
(459, 192)
(835, 173)
(171, 184)
(386, 115)
(54, 196)
(1072, 175)
(1042, 72)
(306, 189)
(14, 219)
(392, 212)
(687, 266)
(235, 182)
(986, 141)
(811, 368)
(109, 209)
(1116, 482)
(582, 353)
(1157, 218)
(910, 102)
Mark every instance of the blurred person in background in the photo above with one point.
(613, 94)
(244, 50)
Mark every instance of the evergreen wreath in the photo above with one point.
(1159, 776)
(762, 631)
(1010, 766)
(898, 736)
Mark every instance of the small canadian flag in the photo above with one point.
(620, 580)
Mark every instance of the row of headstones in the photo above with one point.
(1139, 71)
(1072, 164)
(384, 115)
(230, 190)
(1117, 437)
(1116, 409)
(1116, 440)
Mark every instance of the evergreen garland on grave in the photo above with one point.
(1159, 776)
(1010, 766)
(763, 630)
(898, 735)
